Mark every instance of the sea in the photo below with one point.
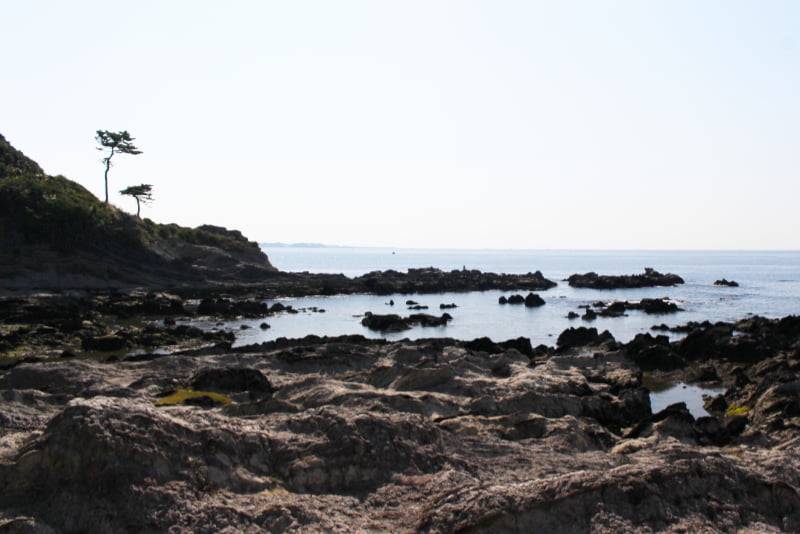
(769, 285)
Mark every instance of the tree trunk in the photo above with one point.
(137, 207)
(108, 166)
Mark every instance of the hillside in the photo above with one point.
(54, 234)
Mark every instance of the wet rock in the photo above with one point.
(726, 283)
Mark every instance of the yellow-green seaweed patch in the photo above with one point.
(181, 395)
(735, 409)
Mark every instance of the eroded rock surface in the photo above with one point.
(354, 435)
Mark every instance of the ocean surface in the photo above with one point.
(769, 286)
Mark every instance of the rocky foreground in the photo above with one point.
(354, 435)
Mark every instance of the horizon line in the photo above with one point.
(489, 249)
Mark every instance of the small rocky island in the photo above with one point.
(649, 278)
(118, 416)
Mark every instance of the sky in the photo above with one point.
(425, 123)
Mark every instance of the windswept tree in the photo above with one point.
(115, 142)
(143, 193)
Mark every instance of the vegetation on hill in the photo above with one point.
(52, 212)
(14, 163)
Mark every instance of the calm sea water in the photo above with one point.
(769, 286)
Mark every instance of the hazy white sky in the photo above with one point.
(477, 124)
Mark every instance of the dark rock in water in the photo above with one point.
(484, 344)
(447, 306)
(675, 420)
(230, 308)
(577, 337)
(395, 323)
(615, 309)
(424, 319)
(502, 300)
(716, 404)
(650, 278)
(418, 307)
(277, 308)
(522, 344)
(411, 303)
(658, 306)
(532, 300)
(702, 373)
(432, 280)
(653, 353)
(572, 315)
(516, 299)
(589, 315)
(711, 431)
(229, 380)
(727, 283)
(736, 424)
(264, 326)
(385, 323)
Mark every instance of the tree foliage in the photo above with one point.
(143, 193)
(115, 142)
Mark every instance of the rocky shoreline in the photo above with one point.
(348, 434)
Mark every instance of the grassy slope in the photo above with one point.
(53, 213)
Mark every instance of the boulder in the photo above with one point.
(532, 300)
(231, 380)
(577, 337)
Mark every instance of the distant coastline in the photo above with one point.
(300, 245)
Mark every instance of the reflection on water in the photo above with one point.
(680, 392)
